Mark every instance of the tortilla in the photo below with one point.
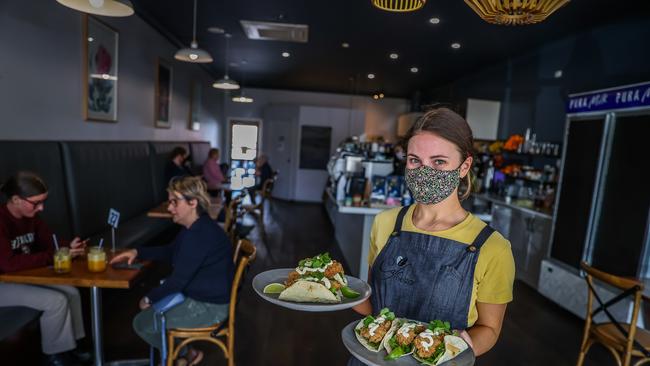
(364, 342)
(307, 291)
(397, 325)
(453, 347)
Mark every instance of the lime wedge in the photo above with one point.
(274, 288)
(349, 293)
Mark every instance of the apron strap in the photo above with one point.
(481, 238)
(400, 220)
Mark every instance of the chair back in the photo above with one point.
(629, 287)
(231, 218)
(245, 254)
(267, 187)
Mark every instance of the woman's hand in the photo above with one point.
(465, 336)
(77, 247)
(128, 256)
(144, 303)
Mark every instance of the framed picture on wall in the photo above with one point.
(163, 102)
(100, 60)
(195, 107)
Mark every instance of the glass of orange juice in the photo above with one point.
(62, 260)
(96, 259)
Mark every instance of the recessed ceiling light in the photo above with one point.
(381, 95)
(414, 69)
(375, 96)
(455, 45)
(434, 20)
(394, 56)
(558, 74)
(285, 54)
(90, 39)
(345, 45)
(371, 76)
(216, 30)
(233, 64)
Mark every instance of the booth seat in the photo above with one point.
(87, 178)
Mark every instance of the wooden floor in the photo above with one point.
(535, 332)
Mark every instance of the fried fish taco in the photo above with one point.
(399, 341)
(437, 344)
(317, 279)
(371, 330)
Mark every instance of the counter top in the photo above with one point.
(363, 210)
(547, 214)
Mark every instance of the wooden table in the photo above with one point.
(81, 277)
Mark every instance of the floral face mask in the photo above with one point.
(430, 186)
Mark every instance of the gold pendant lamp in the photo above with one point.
(399, 6)
(515, 12)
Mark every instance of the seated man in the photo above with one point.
(26, 242)
(175, 166)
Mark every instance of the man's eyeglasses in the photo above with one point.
(35, 204)
(174, 201)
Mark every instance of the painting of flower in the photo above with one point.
(100, 61)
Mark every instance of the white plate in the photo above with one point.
(465, 358)
(280, 275)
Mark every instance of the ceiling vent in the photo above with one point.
(276, 31)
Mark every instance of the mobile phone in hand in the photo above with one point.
(125, 265)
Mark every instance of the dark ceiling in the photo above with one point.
(323, 65)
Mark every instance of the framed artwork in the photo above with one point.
(163, 101)
(195, 107)
(100, 53)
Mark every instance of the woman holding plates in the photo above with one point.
(434, 260)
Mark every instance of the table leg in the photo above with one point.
(96, 316)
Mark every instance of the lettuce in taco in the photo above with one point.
(437, 344)
(371, 330)
(399, 341)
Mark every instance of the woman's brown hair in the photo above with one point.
(24, 184)
(452, 127)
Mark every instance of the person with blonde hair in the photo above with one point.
(201, 257)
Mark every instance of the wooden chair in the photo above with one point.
(623, 340)
(230, 223)
(222, 334)
(257, 209)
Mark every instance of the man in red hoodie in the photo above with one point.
(26, 242)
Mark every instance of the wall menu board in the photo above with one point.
(315, 142)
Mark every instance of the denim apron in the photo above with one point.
(425, 277)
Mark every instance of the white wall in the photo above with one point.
(380, 117)
(41, 79)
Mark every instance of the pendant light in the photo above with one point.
(508, 12)
(226, 83)
(242, 98)
(109, 8)
(194, 53)
(399, 6)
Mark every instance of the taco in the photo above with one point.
(399, 341)
(371, 331)
(317, 279)
(437, 344)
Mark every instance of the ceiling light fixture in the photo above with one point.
(226, 83)
(216, 30)
(434, 20)
(109, 8)
(345, 45)
(394, 56)
(242, 98)
(286, 54)
(414, 70)
(375, 97)
(194, 53)
(371, 76)
(508, 12)
(455, 45)
(400, 6)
